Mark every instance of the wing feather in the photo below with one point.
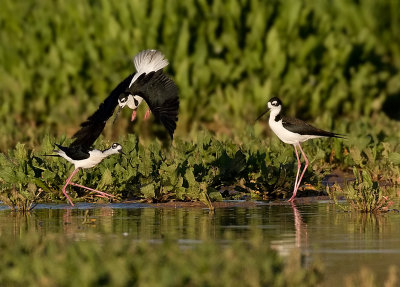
(161, 95)
(300, 127)
(91, 128)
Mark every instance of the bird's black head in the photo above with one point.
(274, 102)
(123, 99)
(116, 147)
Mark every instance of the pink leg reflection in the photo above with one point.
(300, 226)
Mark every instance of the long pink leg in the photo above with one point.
(301, 177)
(102, 194)
(147, 114)
(66, 184)
(298, 169)
(133, 117)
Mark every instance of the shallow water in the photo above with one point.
(342, 241)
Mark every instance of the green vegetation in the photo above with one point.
(367, 278)
(365, 194)
(54, 260)
(60, 59)
(336, 63)
(257, 168)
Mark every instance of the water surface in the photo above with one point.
(342, 241)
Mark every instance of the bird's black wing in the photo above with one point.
(76, 152)
(91, 128)
(161, 95)
(300, 127)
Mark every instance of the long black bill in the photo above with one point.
(116, 114)
(260, 116)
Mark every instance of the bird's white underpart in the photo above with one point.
(96, 156)
(283, 134)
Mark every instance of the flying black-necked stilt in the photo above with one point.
(293, 131)
(158, 90)
(145, 62)
(83, 158)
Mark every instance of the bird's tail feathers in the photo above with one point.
(339, 136)
(149, 60)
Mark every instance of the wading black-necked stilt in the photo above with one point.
(145, 62)
(83, 158)
(157, 89)
(293, 131)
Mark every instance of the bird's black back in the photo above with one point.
(300, 127)
(91, 128)
(75, 152)
(161, 95)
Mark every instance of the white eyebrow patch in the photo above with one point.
(274, 103)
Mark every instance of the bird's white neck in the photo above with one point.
(108, 152)
(274, 112)
(134, 101)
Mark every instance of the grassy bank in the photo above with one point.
(256, 166)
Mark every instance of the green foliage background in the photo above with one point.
(60, 59)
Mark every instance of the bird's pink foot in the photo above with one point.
(133, 117)
(147, 114)
(67, 197)
(101, 193)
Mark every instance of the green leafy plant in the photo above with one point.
(20, 185)
(365, 194)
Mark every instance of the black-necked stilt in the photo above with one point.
(293, 131)
(159, 92)
(83, 158)
(145, 62)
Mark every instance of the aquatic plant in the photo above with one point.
(20, 186)
(187, 171)
(208, 167)
(366, 194)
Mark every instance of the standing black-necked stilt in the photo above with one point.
(159, 92)
(81, 157)
(145, 62)
(293, 131)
